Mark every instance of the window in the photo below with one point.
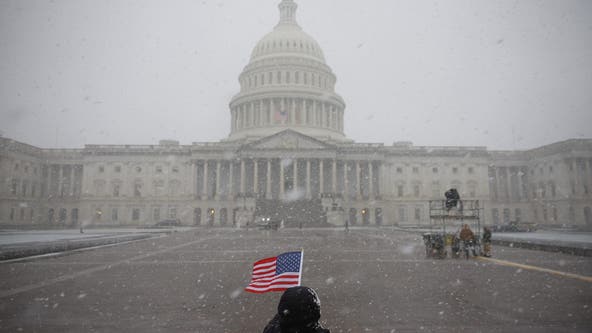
(99, 187)
(136, 214)
(415, 170)
(116, 190)
(158, 187)
(158, 169)
(416, 190)
(506, 215)
(13, 187)
(156, 214)
(399, 170)
(101, 169)
(518, 214)
(118, 168)
(400, 190)
(495, 216)
(402, 214)
(173, 212)
(471, 170)
(22, 214)
(175, 169)
(417, 214)
(436, 189)
(73, 215)
(434, 170)
(138, 169)
(63, 215)
(455, 170)
(137, 189)
(12, 213)
(114, 214)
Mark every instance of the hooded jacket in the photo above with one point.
(299, 311)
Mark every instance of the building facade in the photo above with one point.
(287, 156)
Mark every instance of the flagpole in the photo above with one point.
(301, 262)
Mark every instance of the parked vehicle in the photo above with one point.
(267, 223)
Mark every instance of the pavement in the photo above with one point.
(368, 280)
(16, 244)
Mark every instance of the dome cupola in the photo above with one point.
(287, 84)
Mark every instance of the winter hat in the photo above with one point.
(299, 307)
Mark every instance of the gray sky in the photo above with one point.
(503, 74)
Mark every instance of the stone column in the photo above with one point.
(217, 188)
(231, 178)
(72, 169)
(345, 180)
(321, 178)
(295, 173)
(370, 185)
(60, 181)
(314, 113)
(255, 177)
(281, 179)
(242, 177)
(205, 180)
(194, 189)
(268, 181)
(292, 111)
(308, 195)
(358, 188)
(334, 177)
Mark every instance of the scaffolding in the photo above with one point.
(441, 217)
(466, 211)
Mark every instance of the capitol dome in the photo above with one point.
(287, 85)
(288, 39)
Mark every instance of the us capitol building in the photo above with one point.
(287, 156)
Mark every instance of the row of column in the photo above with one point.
(291, 111)
(56, 184)
(213, 182)
(510, 183)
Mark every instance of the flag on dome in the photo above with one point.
(281, 116)
(276, 273)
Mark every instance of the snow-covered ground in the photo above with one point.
(11, 237)
(547, 237)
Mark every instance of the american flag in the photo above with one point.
(276, 273)
(281, 116)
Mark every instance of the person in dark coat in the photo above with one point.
(486, 242)
(299, 311)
